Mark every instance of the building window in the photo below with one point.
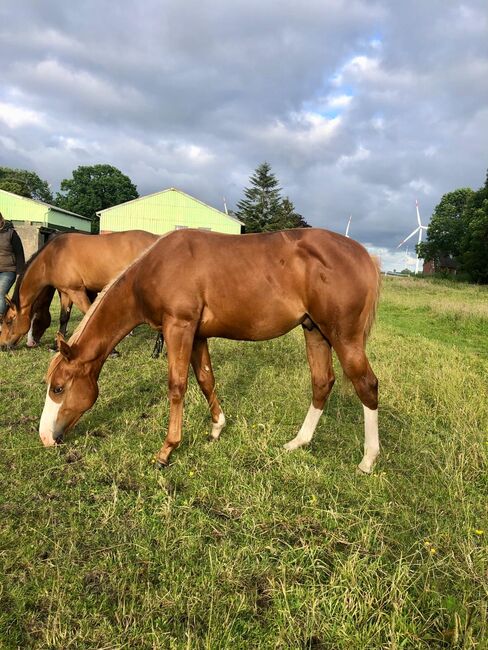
(180, 227)
(207, 229)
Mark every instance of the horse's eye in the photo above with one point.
(57, 390)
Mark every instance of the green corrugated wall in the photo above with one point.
(162, 212)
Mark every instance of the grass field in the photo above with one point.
(240, 544)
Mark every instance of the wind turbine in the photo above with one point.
(348, 224)
(418, 230)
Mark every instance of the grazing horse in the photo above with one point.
(75, 264)
(192, 285)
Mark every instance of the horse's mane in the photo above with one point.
(77, 333)
(16, 295)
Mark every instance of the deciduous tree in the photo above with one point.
(93, 188)
(474, 245)
(446, 228)
(25, 183)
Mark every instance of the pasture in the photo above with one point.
(239, 544)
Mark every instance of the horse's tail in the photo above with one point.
(374, 307)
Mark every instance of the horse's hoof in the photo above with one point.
(31, 345)
(159, 465)
(363, 471)
(290, 446)
(114, 354)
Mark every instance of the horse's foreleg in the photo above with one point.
(356, 367)
(40, 316)
(320, 361)
(202, 367)
(179, 340)
(65, 312)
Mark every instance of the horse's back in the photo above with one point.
(245, 284)
(93, 259)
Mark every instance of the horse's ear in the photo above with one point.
(9, 303)
(63, 347)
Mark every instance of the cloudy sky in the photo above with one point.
(360, 107)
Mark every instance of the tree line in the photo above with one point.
(458, 231)
(92, 188)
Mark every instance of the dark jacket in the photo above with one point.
(11, 250)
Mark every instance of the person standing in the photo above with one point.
(12, 260)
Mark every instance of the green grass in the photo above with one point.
(240, 544)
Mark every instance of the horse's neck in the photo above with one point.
(110, 318)
(33, 282)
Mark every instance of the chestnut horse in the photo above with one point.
(75, 264)
(191, 285)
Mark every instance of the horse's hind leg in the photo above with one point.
(202, 366)
(356, 367)
(179, 339)
(320, 362)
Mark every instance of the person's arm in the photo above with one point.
(18, 250)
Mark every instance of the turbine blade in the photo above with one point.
(418, 213)
(407, 238)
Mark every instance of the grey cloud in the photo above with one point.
(197, 94)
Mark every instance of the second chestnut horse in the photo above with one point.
(77, 265)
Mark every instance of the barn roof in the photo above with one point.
(171, 189)
(46, 205)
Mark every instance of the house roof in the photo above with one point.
(47, 205)
(172, 189)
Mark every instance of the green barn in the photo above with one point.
(164, 211)
(35, 221)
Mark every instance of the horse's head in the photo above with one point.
(71, 390)
(13, 324)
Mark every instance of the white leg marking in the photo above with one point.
(307, 430)
(48, 421)
(30, 339)
(371, 440)
(217, 426)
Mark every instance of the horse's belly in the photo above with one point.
(254, 325)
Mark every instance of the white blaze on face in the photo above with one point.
(47, 425)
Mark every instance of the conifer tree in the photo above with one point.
(262, 201)
(287, 217)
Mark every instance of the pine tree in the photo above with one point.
(287, 217)
(262, 201)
